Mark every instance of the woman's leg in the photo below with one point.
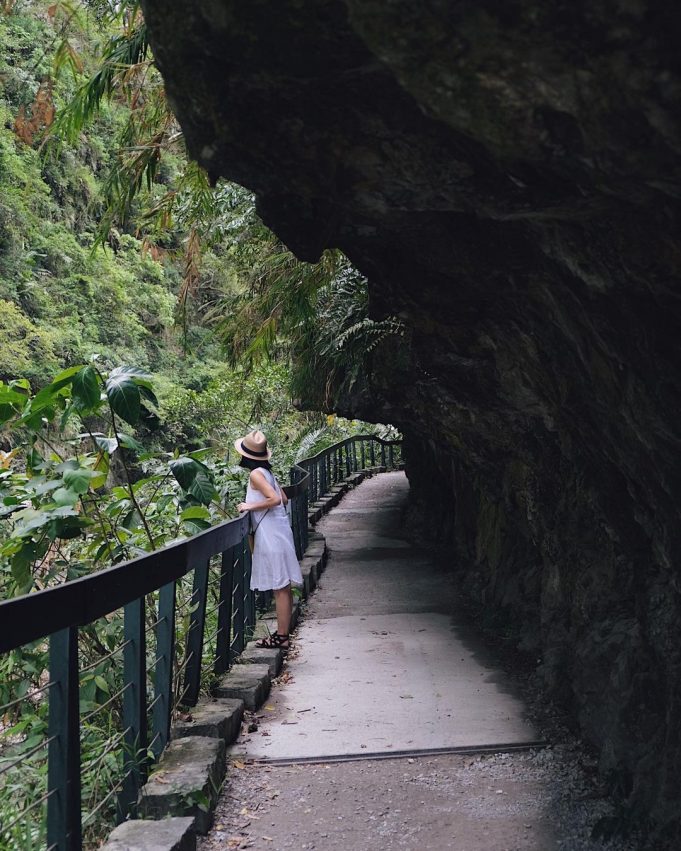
(283, 603)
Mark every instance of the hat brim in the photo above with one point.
(244, 451)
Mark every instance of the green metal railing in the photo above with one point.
(198, 582)
(337, 462)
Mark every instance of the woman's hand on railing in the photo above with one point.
(243, 507)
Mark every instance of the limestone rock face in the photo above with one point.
(508, 177)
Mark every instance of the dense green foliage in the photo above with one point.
(115, 251)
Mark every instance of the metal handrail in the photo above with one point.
(59, 612)
(77, 603)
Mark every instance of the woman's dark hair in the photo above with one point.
(250, 464)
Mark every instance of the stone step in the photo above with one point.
(309, 571)
(250, 683)
(315, 549)
(218, 719)
(186, 781)
(271, 657)
(168, 834)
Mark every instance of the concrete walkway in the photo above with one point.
(379, 683)
(379, 666)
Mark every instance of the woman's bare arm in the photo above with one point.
(270, 497)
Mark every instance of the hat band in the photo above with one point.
(258, 452)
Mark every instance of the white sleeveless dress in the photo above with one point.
(274, 560)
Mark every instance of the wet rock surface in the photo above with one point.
(508, 178)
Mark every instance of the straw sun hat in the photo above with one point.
(253, 446)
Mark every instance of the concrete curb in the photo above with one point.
(250, 683)
(169, 834)
(215, 719)
(186, 782)
(254, 655)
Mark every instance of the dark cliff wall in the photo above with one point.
(508, 176)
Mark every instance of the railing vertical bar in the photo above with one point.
(299, 518)
(163, 669)
(391, 455)
(249, 597)
(134, 705)
(64, 830)
(305, 499)
(194, 645)
(363, 454)
(372, 452)
(222, 655)
(383, 455)
(238, 620)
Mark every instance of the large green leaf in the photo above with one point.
(195, 512)
(85, 388)
(33, 520)
(128, 442)
(65, 496)
(101, 470)
(64, 378)
(66, 527)
(79, 480)
(106, 444)
(21, 573)
(185, 470)
(202, 488)
(133, 373)
(148, 394)
(42, 404)
(194, 477)
(10, 395)
(124, 396)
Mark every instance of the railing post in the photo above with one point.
(222, 656)
(64, 831)
(249, 597)
(391, 455)
(194, 646)
(382, 454)
(134, 705)
(362, 450)
(303, 518)
(238, 620)
(295, 516)
(163, 669)
(372, 452)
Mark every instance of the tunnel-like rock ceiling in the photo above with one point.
(507, 175)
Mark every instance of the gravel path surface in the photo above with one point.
(536, 801)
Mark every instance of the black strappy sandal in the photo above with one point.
(274, 641)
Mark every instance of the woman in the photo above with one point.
(274, 564)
